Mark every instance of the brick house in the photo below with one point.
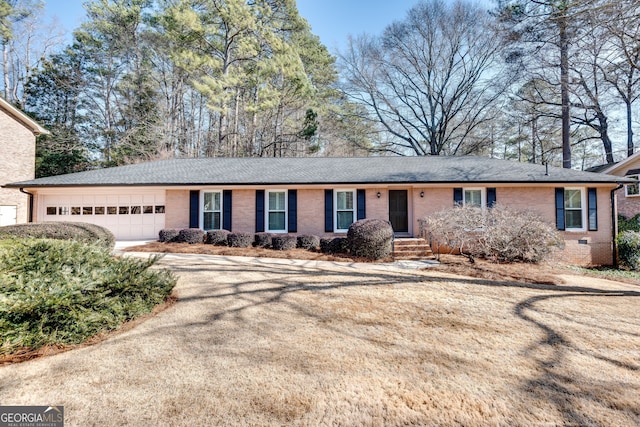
(323, 196)
(17, 160)
(629, 196)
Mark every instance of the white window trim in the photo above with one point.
(483, 196)
(335, 208)
(267, 210)
(201, 219)
(626, 187)
(583, 203)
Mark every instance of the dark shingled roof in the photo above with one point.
(320, 170)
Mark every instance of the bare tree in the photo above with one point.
(429, 80)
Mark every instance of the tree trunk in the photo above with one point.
(629, 129)
(564, 89)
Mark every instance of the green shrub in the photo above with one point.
(168, 235)
(335, 245)
(370, 238)
(284, 242)
(262, 240)
(63, 292)
(79, 231)
(631, 224)
(308, 242)
(217, 237)
(240, 240)
(629, 249)
(191, 236)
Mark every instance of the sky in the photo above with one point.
(331, 20)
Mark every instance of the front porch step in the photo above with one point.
(412, 249)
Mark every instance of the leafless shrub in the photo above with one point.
(500, 234)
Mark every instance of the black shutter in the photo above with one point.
(226, 210)
(560, 209)
(362, 204)
(259, 211)
(457, 196)
(328, 211)
(491, 197)
(592, 203)
(293, 211)
(194, 209)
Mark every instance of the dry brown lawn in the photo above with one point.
(255, 341)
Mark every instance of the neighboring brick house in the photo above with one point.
(628, 197)
(323, 196)
(17, 161)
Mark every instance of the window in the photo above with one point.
(345, 209)
(631, 190)
(276, 211)
(123, 210)
(63, 210)
(212, 210)
(112, 210)
(472, 197)
(159, 209)
(52, 210)
(147, 209)
(99, 210)
(75, 210)
(87, 210)
(136, 210)
(573, 212)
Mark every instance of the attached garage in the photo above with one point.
(129, 215)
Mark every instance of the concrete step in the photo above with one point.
(412, 249)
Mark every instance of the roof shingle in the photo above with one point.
(320, 170)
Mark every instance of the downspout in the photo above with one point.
(30, 213)
(614, 224)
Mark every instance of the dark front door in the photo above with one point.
(398, 211)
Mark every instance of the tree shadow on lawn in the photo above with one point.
(551, 386)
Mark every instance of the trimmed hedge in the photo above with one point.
(284, 242)
(78, 231)
(168, 235)
(370, 238)
(262, 240)
(191, 236)
(240, 240)
(217, 237)
(308, 242)
(335, 245)
(629, 249)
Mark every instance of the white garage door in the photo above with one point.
(8, 215)
(128, 216)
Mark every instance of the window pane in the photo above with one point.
(573, 218)
(276, 201)
(75, 210)
(345, 219)
(473, 198)
(51, 210)
(276, 221)
(345, 200)
(136, 210)
(146, 209)
(572, 199)
(123, 210)
(212, 221)
(99, 210)
(632, 189)
(160, 209)
(63, 210)
(208, 202)
(111, 210)
(87, 210)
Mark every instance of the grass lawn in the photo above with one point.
(310, 343)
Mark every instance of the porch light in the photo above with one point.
(422, 194)
(378, 194)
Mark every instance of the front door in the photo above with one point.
(398, 211)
